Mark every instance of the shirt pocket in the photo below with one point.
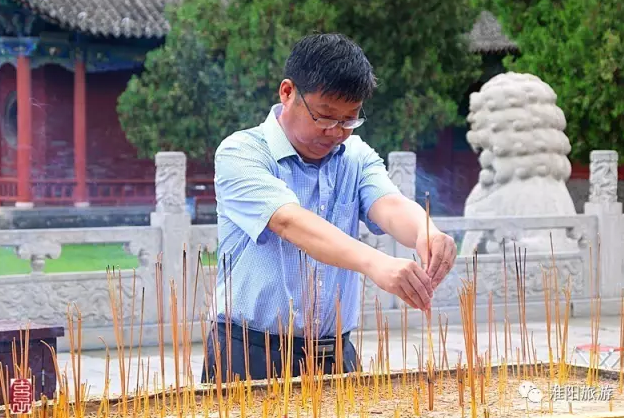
(346, 216)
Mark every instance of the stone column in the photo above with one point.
(175, 223)
(603, 179)
(402, 171)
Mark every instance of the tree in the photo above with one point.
(217, 72)
(576, 46)
(221, 65)
(419, 50)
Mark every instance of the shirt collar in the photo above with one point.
(279, 145)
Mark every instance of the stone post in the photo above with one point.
(175, 223)
(603, 179)
(402, 172)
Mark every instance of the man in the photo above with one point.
(299, 183)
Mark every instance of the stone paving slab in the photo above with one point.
(94, 361)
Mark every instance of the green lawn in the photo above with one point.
(75, 258)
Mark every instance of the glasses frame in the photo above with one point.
(327, 123)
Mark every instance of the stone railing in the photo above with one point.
(594, 255)
(572, 268)
(49, 298)
(45, 297)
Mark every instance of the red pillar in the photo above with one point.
(24, 132)
(80, 133)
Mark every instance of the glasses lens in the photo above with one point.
(326, 123)
(330, 123)
(353, 123)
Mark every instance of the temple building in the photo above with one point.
(63, 64)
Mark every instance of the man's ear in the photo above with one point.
(287, 91)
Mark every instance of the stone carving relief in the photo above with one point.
(141, 249)
(505, 238)
(146, 250)
(491, 278)
(402, 172)
(170, 182)
(37, 252)
(603, 176)
(204, 237)
(518, 131)
(45, 300)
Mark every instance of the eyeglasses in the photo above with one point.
(326, 123)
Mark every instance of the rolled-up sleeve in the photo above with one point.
(247, 190)
(374, 184)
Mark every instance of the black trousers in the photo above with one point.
(257, 355)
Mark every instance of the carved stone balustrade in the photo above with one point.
(46, 298)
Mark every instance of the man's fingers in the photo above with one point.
(423, 279)
(448, 259)
(438, 245)
(414, 296)
(421, 284)
(401, 293)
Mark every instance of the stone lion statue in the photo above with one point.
(518, 130)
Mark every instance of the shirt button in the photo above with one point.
(320, 283)
(322, 207)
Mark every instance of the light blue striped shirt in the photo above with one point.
(256, 172)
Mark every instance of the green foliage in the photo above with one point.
(221, 65)
(576, 46)
(217, 72)
(421, 58)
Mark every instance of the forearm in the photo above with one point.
(321, 240)
(402, 218)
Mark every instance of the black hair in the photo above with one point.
(331, 64)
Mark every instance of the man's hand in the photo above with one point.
(406, 221)
(404, 278)
(441, 257)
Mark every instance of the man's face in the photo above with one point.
(313, 142)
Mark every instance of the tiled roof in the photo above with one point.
(487, 35)
(146, 19)
(118, 18)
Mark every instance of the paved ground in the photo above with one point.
(94, 362)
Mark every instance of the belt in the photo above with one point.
(324, 346)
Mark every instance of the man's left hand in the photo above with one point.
(442, 253)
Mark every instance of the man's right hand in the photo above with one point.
(404, 278)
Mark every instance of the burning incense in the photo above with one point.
(427, 212)
(467, 304)
(430, 363)
(381, 392)
(288, 365)
(404, 343)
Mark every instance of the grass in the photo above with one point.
(75, 258)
